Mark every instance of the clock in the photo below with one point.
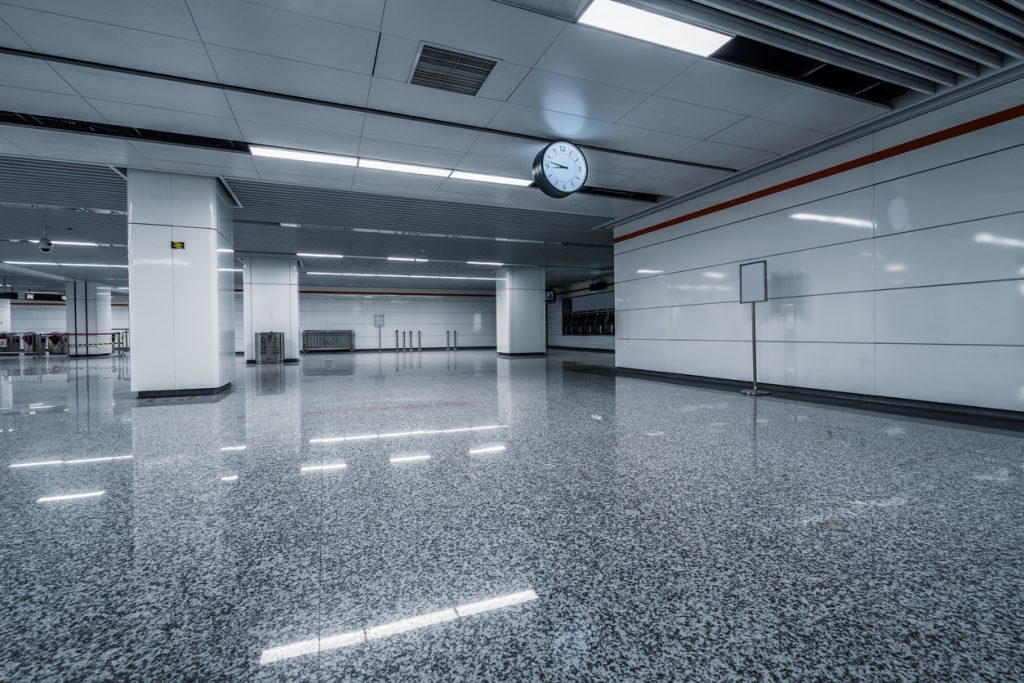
(560, 169)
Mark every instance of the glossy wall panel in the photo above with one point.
(903, 277)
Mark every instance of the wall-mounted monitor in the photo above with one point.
(549, 295)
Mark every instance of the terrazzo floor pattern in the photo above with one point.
(567, 525)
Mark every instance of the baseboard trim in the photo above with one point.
(176, 393)
(947, 412)
(580, 348)
(392, 350)
(521, 355)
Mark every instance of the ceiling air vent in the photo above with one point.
(451, 71)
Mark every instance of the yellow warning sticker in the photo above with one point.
(177, 245)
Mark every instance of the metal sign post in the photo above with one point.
(754, 288)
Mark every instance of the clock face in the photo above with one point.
(560, 169)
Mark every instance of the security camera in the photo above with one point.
(45, 245)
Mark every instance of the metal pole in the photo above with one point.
(456, 335)
(396, 340)
(419, 339)
(753, 352)
(447, 339)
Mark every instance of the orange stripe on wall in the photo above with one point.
(915, 144)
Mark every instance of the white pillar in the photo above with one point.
(181, 274)
(87, 307)
(519, 294)
(5, 315)
(270, 292)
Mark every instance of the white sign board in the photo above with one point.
(753, 282)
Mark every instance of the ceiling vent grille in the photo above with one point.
(451, 71)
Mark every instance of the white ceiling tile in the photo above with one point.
(643, 141)
(821, 111)
(609, 180)
(489, 29)
(730, 156)
(361, 185)
(46, 104)
(167, 17)
(336, 175)
(607, 162)
(532, 198)
(596, 55)
(404, 153)
(680, 118)
(550, 125)
(151, 92)
(8, 38)
(299, 138)
(419, 101)
(665, 187)
(195, 155)
(567, 95)
(395, 58)
(727, 87)
(507, 166)
(69, 37)
(228, 171)
(101, 158)
(262, 29)
(360, 13)
(306, 180)
(289, 77)
(33, 74)
(260, 109)
(681, 173)
(369, 176)
(503, 81)
(516, 149)
(8, 148)
(417, 133)
(138, 116)
(614, 208)
(767, 135)
(72, 146)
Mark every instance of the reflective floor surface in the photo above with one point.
(456, 516)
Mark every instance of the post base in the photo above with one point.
(755, 392)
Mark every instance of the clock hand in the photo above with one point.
(559, 165)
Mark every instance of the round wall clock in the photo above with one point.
(560, 169)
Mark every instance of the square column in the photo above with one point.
(89, 326)
(270, 293)
(181, 273)
(521, 319)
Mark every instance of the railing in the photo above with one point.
(328, 340)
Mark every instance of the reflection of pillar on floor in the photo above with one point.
(519, 300)
(181, 273)
(270, 290)
(88, 319)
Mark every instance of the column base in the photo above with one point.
(86, 355)
(539, 354)
(175, 393)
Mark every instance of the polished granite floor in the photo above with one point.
(456, 516)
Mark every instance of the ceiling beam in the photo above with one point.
(729, 23)
(918, 31)
(857, 28)
(836, 40)
(989, 13)
(955, 23)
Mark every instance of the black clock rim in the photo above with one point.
(542, 181)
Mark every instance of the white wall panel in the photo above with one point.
(987, 249)
(981, 313)
(903, 278)
(987, 376)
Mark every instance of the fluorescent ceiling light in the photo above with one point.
(487, 449)
(309, 255)
(66, 265)
(233, 448)
(409, 458)
(290, 225)
(70, 496)
(404, 168)
(229, 270)
(488, 178)
(989, 238)
(123, 289)
(296, 155)
(396, 275)
(840, 220)
(323, 468)
(406, 258)
(484, 263)
(219, 251)
(644, 271)
(233, 477)
(653, 28)
(359, 636)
